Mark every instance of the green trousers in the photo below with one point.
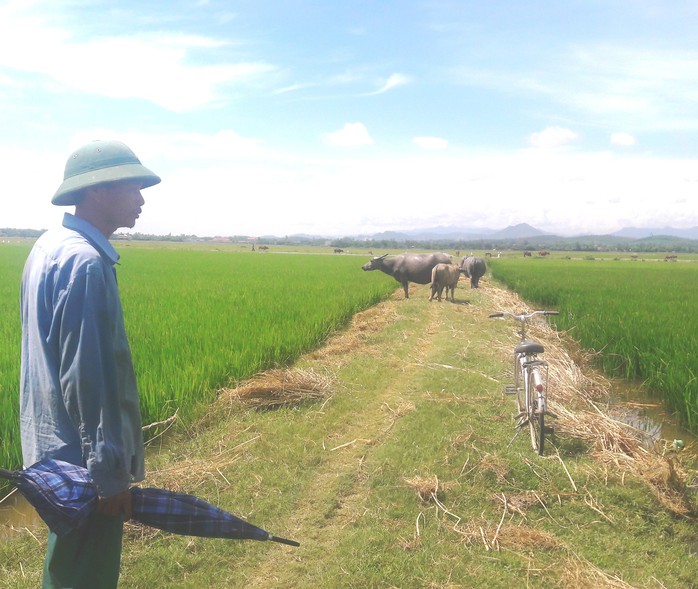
(86, 558)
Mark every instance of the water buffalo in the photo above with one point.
(444, 276)
(407, 268)
(474, 268)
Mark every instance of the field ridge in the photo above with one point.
(345, 465)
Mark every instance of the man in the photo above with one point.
(78, 395)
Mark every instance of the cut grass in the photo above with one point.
(401, 475)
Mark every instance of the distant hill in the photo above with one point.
(526, 237)
(520, 231)
(428, 234)
(643, 232)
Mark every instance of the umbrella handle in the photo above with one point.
(283, 540)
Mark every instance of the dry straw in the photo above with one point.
(282, 386)
(291, 386)
(356, 336)
(578, 394)
(573, 570)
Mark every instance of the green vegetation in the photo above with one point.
(12, 259)
(402, 476)
(642, 318)
(198, 319)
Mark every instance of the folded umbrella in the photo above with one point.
(188, 515)
(64, 496)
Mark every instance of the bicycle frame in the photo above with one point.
(531, 398)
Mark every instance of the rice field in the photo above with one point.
(201, 318)
(198, 319)
(11, 262)
(641, 317)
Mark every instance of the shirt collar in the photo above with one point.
(93, 235)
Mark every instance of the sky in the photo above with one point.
(351, 117)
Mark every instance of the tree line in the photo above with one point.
(591, 243)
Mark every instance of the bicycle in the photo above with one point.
(531, 399)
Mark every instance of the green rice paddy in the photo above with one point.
(198, 319)
(642, 317)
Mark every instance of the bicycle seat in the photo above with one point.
(529, 347)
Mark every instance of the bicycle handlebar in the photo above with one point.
(522, 316)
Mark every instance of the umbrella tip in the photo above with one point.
(283, 541)
(7, 474)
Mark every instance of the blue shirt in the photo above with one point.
(78, 393)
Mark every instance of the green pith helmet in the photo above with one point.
(98, 162)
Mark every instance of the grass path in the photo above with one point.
(336, 497)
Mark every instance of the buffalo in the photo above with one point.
(444, 276)
(407, 268)
(474, 268)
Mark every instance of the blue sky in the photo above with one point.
(342, 117)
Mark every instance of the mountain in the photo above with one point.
(432, 233)
(643, 232)
(520, 231)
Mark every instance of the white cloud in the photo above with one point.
(351, 135)
(430, 143)
(393, 81)
(552, 138)
(571, 193)
(157, 67)
(644, 86)
(238, 186)
(623, 139)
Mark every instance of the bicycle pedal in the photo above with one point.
(548, 429)
(510, 390)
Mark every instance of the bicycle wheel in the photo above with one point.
(536, 417)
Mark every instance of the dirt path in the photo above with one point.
(337, 498)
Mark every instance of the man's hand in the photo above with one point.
(116, 505)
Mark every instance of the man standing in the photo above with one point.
(78, 395)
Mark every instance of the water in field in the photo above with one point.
(16, 514)
(632, 404)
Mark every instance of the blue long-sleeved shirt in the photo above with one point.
(78, 393)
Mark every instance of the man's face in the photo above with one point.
(122, 203)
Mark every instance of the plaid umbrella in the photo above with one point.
(64, 496)
(62, 493)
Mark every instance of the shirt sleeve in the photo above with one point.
(88, 377)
